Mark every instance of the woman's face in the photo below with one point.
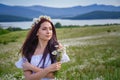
(45, 31)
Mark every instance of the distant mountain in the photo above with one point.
(35, 11)
(9, 18)
(18, 11)
(73, 11)
(98, 15)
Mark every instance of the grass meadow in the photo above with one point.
(94, 53)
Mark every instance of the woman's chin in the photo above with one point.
(47, 39)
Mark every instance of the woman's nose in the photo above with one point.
(48, 31)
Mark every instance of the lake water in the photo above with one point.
(27, 24)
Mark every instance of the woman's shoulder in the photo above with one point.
(19, 63)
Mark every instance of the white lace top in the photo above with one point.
(36, 59)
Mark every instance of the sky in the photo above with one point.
(59, 3)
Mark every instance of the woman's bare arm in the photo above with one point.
(41, 73)
(28, 66)
(36, 76)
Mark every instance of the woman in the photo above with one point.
(37, 60)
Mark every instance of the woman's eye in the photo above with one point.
(50, 29)
(44, 29)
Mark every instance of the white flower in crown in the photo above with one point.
(46, 17)
(34, 19)
(37, 20)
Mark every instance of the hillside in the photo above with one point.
(98, 15)
(18, 11)
(37, 10)
(10, 18)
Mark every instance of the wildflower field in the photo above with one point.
(94, 53)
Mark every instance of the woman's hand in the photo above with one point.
(50, 75)
(60, 46)
(27, 66)
(54, 67)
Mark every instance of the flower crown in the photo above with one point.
(37, 20)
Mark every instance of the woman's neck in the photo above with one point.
(42, 44)
(40, 47)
